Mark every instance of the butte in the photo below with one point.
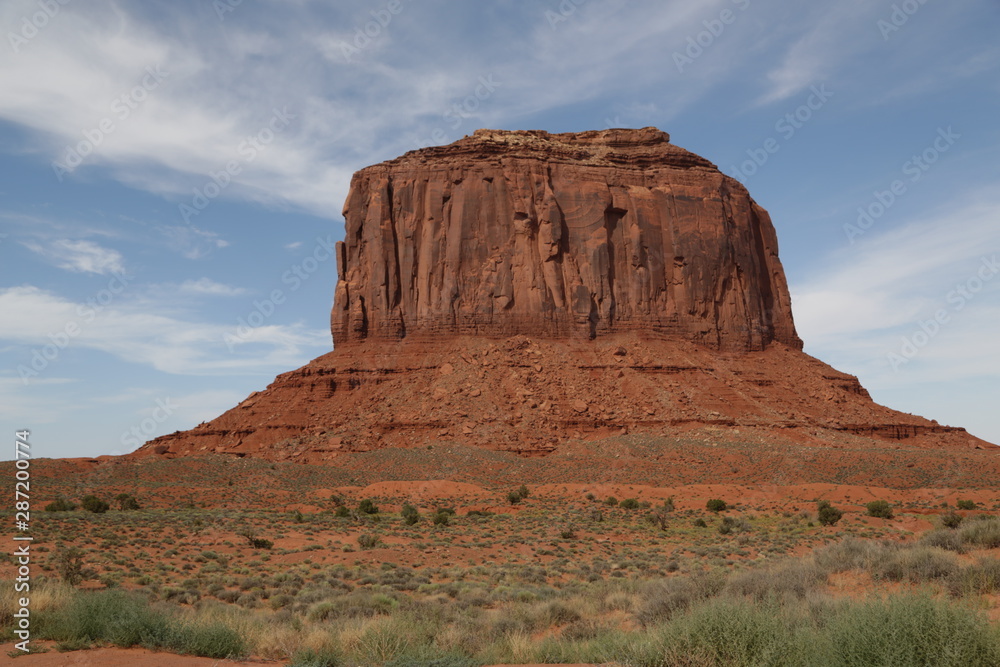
(589, 298)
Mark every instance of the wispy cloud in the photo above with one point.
(208, 287)
(872, 297)
(79, 256)
(138, 333)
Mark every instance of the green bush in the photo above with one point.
(716, 505)
(441, 519)
(827, 514)
(951, 520)
(94, 504)
(610, 501)
(126, 619)
(980, 578)
(916, 564)
(367, 540)
(522, 491)
(880, 509)
(966, 504)
(60, 505)
(410, 514)
(367, 506)
(731, 632)
(983, 532)
(314, 658)
(911, 630)
(513, 497)
(630, 504)
(342, 511)
(126, 502)
(700, 523)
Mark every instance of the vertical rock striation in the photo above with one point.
(558, 236)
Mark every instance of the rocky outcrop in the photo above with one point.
(560, 236)
(519, 292)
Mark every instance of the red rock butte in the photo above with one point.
(527, 292)
(558, 236)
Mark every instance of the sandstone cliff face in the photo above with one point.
(520, 292)
(560, 236)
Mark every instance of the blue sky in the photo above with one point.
(173, 174)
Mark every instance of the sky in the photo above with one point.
(172, 175)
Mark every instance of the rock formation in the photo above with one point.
(522, 291)
(558, 236)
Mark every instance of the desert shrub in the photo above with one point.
(367, 506)
(853, 554)
(342, 511)
(116, 617)
(316, 658)
(659, 600)
(60, 505)
(410, 514)
(950, 520)
(70, 565)
(513, 497)
(591, 497)
(916, 564)
(793, 578)
(629, 504)
(367, 540)
(610, 501)
(94, 504)
(214, 640)
(716, 505)
(441, 519)
(567, 533)
(126, 502)
(827, 514)
(944, 539)
(965, 505)
(733, 525)
(250, 535)
(730, 632)
(910, 630)
(983, 532)
(980, 578)
(880, 509)
(559, 613)
(522, 491)
(700, 523)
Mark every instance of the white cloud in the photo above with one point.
(868, 298)
(79, 256)
(209, 287)
(137, 333)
